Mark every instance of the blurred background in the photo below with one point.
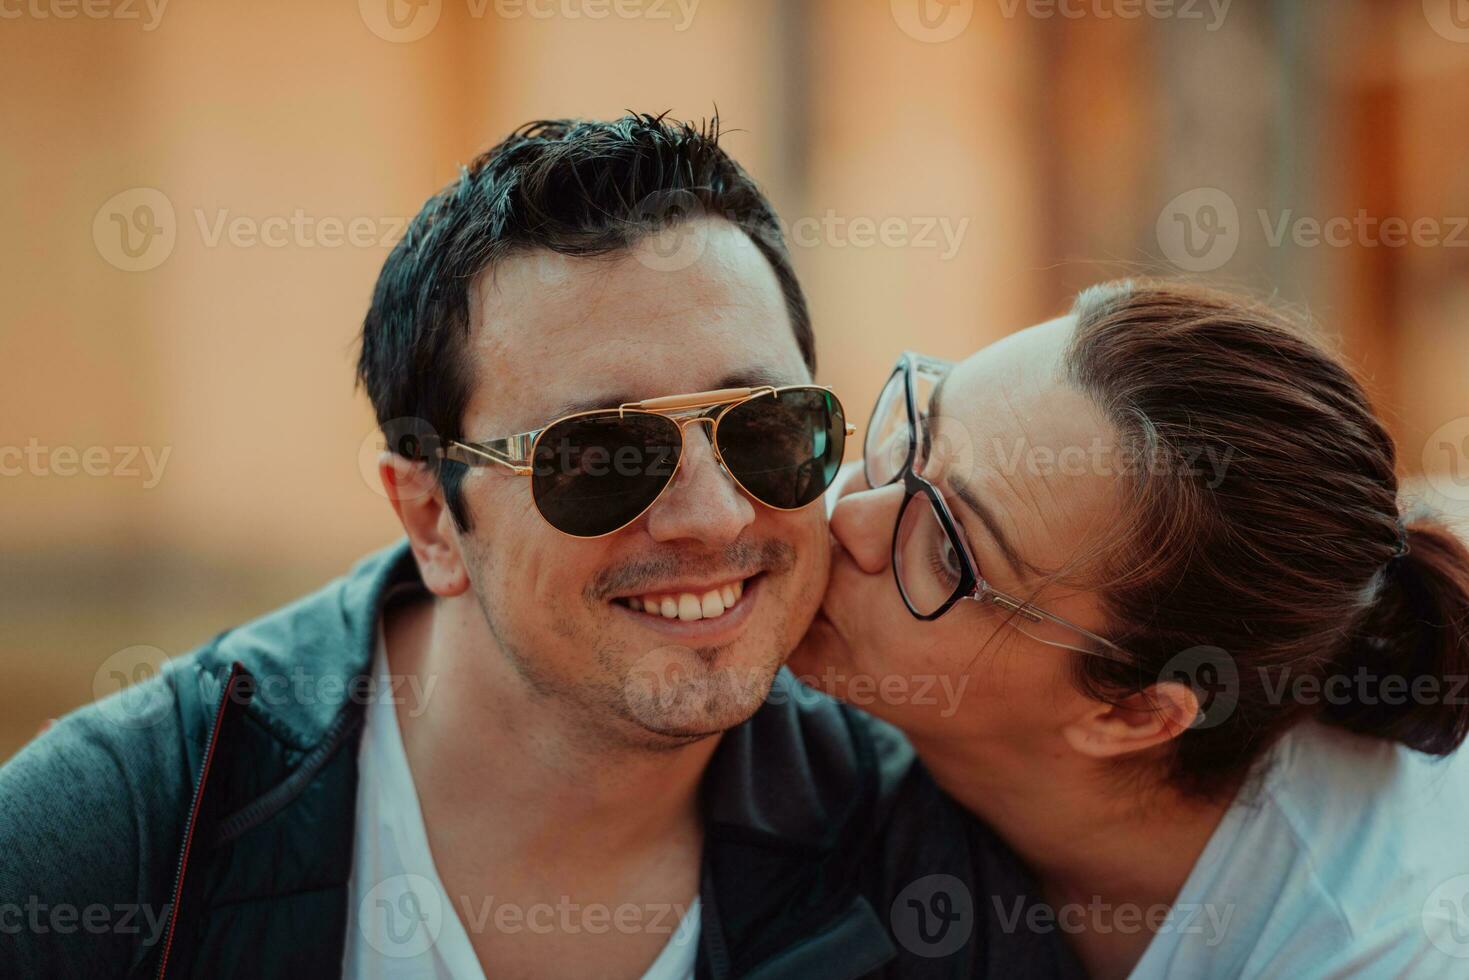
(198, 197)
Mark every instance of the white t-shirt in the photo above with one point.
(400, 921)
(1350, 860)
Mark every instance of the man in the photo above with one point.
(592, 361)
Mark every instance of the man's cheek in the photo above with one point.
(813, 558)
(531, 577)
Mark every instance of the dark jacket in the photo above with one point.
(201, 824)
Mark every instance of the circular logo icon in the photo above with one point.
(1446, 917)
(671, 234)
(661, 687)
(1214, 677)
(947, 447)
(401, 916)
(400, 21)
(934, 916)
(1199, 230)
(1446, 459)
(408, 437)
(135, 230)
(130, 689)
(932, 21)
(1449, 19)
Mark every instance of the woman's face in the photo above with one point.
(1027, 466)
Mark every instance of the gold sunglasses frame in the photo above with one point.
(516, 452)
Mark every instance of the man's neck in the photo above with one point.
(542, 783)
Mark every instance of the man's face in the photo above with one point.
(551, 332)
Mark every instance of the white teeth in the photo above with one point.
(689, 607)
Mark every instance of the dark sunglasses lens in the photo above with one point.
(785, 447)
(596, 473)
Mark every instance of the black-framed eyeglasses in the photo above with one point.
(932, 563)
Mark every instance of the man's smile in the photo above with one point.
(696, 612)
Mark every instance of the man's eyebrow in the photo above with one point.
(747, 378)
(756, 378)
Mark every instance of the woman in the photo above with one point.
(1203, 666)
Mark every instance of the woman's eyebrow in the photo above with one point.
(966, 493)
(933, 396)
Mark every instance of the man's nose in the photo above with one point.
(863, 523)
(703, 502)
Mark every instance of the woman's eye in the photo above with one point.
(945, 561)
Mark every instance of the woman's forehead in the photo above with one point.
(1015, 388)
(1015, 430)
(1033, 354)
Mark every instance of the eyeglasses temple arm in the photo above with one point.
(499, 452)
(933, 366)
(1104, 647)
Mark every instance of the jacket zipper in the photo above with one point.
(236, 669)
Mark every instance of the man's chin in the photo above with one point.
(689, 694)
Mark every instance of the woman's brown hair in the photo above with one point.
(1286, 562)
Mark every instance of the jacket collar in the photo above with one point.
(788, 797)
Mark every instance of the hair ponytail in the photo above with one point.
(1290, 560)
(1416, 635)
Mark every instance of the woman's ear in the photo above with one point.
(1134, 723)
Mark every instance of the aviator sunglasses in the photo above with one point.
(593, 473)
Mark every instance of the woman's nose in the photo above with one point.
(854, 481)
(863, 523)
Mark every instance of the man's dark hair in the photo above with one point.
(571, 186)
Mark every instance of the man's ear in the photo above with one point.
(419, 502)
(1137, 722)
